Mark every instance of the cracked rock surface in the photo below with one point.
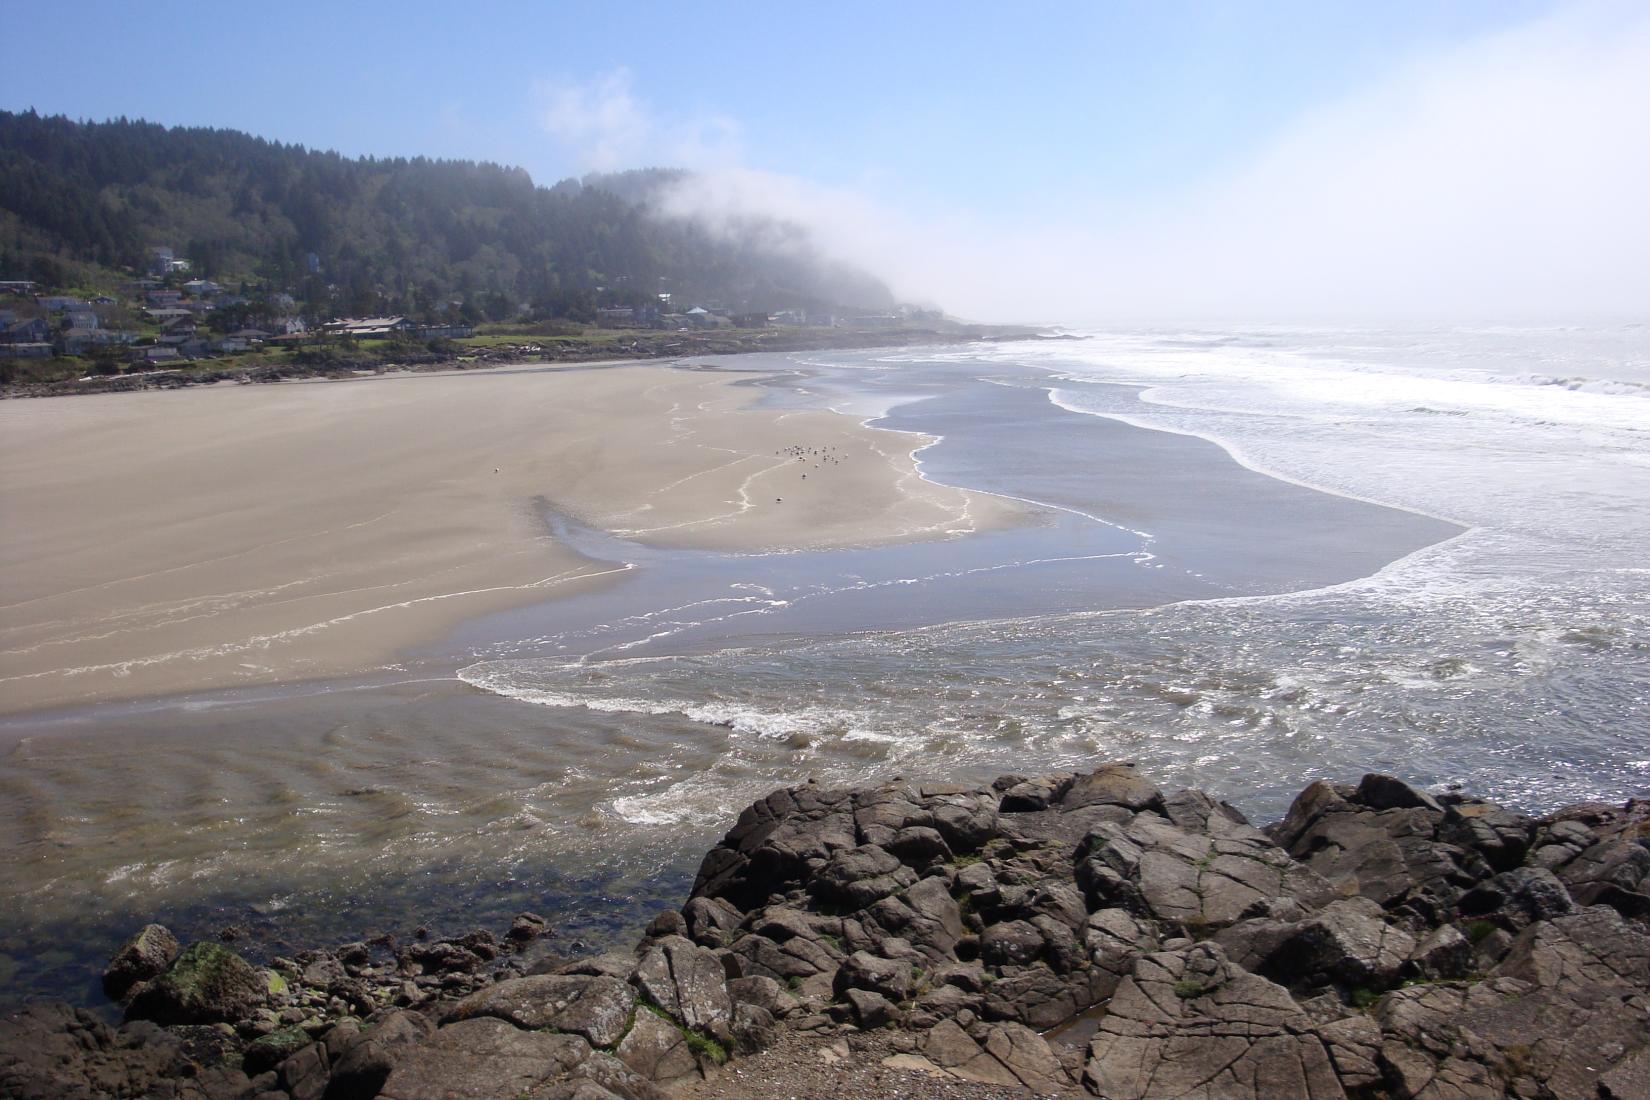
(1061, 935)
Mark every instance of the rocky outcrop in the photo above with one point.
(143, 957)
(1054, 934)
(206, 984)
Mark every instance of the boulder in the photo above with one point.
(528, 926)
(1114, 940)
(1505, 1037)
(995, 1054)
(1010, 943)
(1189, 1023)
(1591, 947)
(688, 983)
(145, 955)
(1383, 792)
(303, 1074)
(919, 845)
(1391, 856)
(1033, 795)
(1156, 870)
(486, 1057)
(596, 1007)
(657, 1049)
(711, 922)
(871, 1009)
(268, 1051)
(754, 1028)
(668, 923)
(206, 984)
(892, 978)
(1112, 785)
(1442, 953)
(1616, 862)
(966, 821)
(1318, 798)
(1500, 836)
(1196, 812)
(1034, 996)
(856, 877)
(359, 1072)
(1565, 1008)
(764, 993)
(1517, 898)
(1348, 943)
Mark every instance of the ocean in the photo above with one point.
(1252, 557)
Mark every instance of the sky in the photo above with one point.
(1054, 162)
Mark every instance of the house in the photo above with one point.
(155, 353)
(25, 351)
(368, 327)
(167, 315)
(163, 262)
(249, 336)
(449, 332)
(231, 344)
(700, 317)
(56, 302)
(82, 318)
(8, 318)
(80, 341)
(288, 326)
(20, 287)
(163, 296)
(201, 288)
(33, 331)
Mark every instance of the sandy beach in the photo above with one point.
(156, 543)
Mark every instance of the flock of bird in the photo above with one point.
(827, 455)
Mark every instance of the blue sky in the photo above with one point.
(977, 117)
(970, 102)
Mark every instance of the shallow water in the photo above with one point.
(1255, 558)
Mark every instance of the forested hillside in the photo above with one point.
(376, 236)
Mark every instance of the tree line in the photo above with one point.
(373, 235)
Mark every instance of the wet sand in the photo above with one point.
(156, 543)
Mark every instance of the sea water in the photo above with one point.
(1249, 558)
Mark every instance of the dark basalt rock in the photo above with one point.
(1376, 942)
(595, 1007)
(687, 983)
(206, 984)
(1348, 943)
(146, 955)
(1190, 1022)
(1517, 898)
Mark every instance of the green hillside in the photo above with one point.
(82, 203)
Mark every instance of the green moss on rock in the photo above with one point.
(207, 984)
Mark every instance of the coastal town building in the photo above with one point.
(34, 330)
(368, 327)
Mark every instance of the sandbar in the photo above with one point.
(156, 543)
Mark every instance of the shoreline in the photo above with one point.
(642, 347)
(1074, 934)
(237, 518)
